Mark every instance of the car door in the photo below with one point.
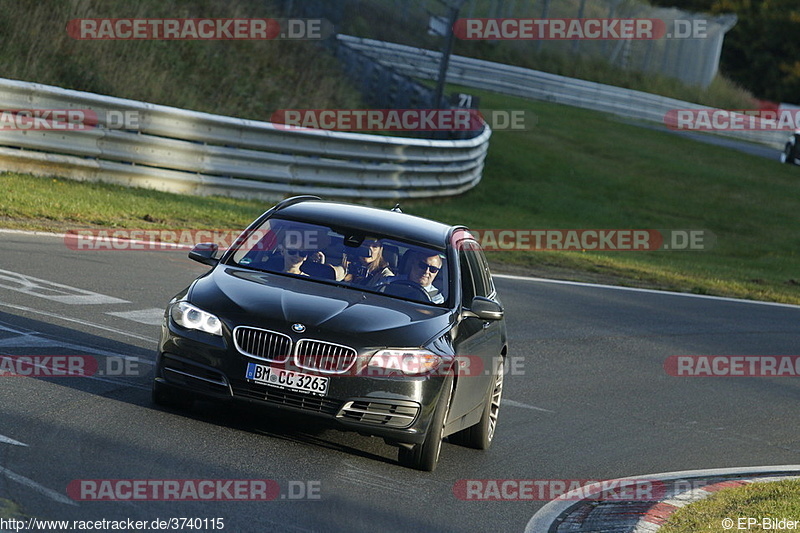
(477, 342)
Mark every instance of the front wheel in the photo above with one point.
(480, 435)
(425, 456)
(787, 156)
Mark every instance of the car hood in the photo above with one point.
(328, 312)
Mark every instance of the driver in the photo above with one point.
(422, 270)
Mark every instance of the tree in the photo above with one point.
(695, 6)
(762, 52)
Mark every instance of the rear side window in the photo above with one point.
(476, 279)
(487, 287)
(467, 283)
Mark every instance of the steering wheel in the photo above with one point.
(406, 289)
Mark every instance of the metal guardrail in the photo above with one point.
(526, 83)
(183, 151)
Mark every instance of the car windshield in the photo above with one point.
(348, 257)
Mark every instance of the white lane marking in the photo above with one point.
(33, 233)
(34, 340)
(152, 317)
(360, 476)
(78, 321)
(512, 403)
(53, 495)
(119, 382)
(6, 328)
(648, 291)
(113, 241)
(8, 440)
(56, 292)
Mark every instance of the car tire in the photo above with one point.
(480, 435)
(787, 156)
(164, 396)
(425, 456)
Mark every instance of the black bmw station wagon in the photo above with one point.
(374, 320)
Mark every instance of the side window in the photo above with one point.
(467, 283)
(476, 279)
(485, 274)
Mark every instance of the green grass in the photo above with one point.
(9, 509)
(39, 203)
(775, 500)
(575, 169)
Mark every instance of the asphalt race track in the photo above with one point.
(752, 148)
(586, 397)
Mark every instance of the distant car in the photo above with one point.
(791, 152)
(380, 358)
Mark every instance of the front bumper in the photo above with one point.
(398, 408)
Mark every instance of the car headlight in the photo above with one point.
(410, 361)
(191, 317)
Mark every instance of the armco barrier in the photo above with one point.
(526, 83)
(182, 151)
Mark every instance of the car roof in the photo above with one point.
(370, 220)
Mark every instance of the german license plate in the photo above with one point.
(287, 379)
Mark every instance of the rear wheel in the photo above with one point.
(425, 456)
(480, 435)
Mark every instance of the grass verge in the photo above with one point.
(773, 501)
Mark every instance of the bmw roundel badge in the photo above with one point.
(298, 328)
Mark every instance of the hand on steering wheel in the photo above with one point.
(406, 289)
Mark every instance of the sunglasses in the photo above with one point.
(422, 265)
(301, 253)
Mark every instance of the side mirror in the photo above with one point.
(205, 253)
(485, 309)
